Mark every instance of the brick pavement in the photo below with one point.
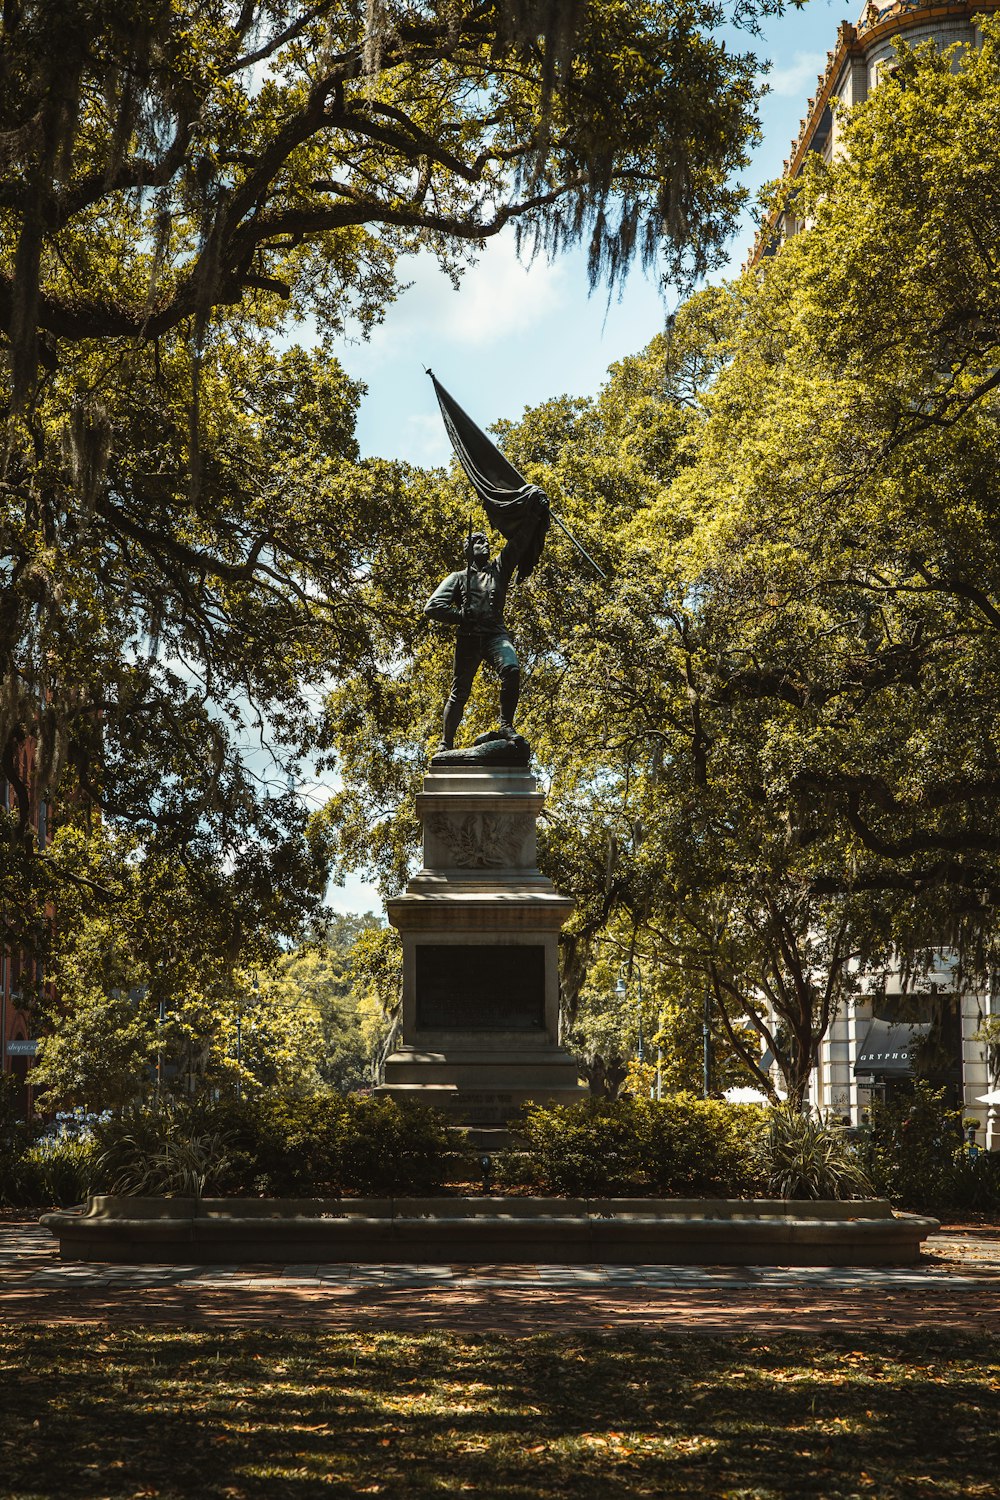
(956, 1283)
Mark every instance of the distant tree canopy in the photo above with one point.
(136, 1015)
(185, 531)
(773, 738)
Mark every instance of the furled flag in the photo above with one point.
(508, 499)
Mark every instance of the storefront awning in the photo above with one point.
(887, 1050)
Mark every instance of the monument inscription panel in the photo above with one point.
(480, 987)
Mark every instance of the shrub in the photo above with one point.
(702, 1147)
(41, 1170)
(916, 1156)
(313, 1145)
(973, 1185)
(681, 1146)
(15, 1138)
(387, 1147)
(589, 1149)
(54, 1170)
(806, 1159)
(249, 1151)
(285, 1146)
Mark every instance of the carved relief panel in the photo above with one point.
(478, 840)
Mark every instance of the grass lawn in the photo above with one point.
(92, 1412)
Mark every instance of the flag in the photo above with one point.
(509, 501)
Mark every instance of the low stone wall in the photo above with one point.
(483, 1230)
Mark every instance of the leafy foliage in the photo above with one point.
(185, 531)
(679, 1147)
(586, 1150)
(141, 1011)
(59, 1170)
(15, 1136)
(704, 1148)
(807, 1159)
(331, 976)
(310, 1145)
(915, 1154)
(771, 740)
(182, 1165)
(286, 151)
(389, 1148)
(848, 568)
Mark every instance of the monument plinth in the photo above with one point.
(480, 927)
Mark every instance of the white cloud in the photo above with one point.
(797, 79)
(496, 297)
(425, 441)
(502, 296)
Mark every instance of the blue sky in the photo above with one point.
(514, 335)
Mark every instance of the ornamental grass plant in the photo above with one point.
(57, 1170)
(807, 1159)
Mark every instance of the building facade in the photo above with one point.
(929, 1026)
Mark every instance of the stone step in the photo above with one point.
(470, 1043)
(480, 1106)
(484, 1073)
(530, 1051)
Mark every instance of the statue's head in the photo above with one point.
(477, 548)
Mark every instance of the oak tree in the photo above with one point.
(186, 535)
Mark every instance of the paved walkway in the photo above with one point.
(957, 1283)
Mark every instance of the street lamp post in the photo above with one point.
(160, 1022)
(621, 990)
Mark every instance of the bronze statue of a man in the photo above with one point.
(474, 599)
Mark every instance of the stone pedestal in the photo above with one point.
(480, 928)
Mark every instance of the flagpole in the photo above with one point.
(562, 527)
(468, 573)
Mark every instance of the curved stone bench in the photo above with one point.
(483, 1230)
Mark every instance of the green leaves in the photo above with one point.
(190, 551)
(806, 1159)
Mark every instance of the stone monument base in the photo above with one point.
(480, 928)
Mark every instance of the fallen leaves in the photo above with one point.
(168, 1414)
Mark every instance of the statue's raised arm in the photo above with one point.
(518, 510)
